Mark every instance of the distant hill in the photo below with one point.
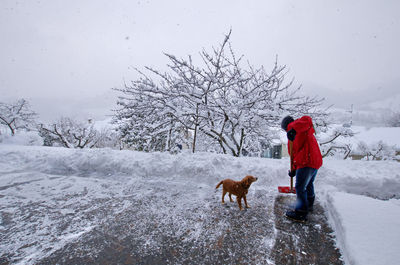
(371, 114)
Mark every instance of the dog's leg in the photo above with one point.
(223, 195)
(230, 197)
(239, 200)
(245, 201)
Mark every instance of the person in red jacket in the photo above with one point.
(305, 160)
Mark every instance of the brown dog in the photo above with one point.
(238, 188)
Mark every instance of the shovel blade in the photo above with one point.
(286, 189)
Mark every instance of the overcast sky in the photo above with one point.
(65, 56)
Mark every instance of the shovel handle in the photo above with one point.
(291, 183)
(291, 155)
(291, 163)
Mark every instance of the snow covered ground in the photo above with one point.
(50, 197)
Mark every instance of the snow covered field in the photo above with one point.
(50, 197)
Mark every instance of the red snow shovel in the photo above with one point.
(286, 189)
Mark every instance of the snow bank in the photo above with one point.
(21, 138)
(109, 164)
(376, 179)
(367, 229)
(362, 202)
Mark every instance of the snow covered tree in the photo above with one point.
(17, 115)
(106, 137)
(69, 133)
(331, 144)
(145, 124)
(229, 104)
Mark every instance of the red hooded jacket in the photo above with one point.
(306, 152)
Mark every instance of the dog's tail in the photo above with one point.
(219, 184)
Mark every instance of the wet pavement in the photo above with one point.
(162, 221)
(311, 242)
(221, 234)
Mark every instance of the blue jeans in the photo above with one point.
(305, 188)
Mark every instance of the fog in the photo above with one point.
(65, 56)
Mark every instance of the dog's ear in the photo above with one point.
(248, 180)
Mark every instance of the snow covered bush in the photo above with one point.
(16, 116)
(71, 133)
(107, 137)
(376, 151)
(218, 105)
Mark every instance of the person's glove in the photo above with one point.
(292, 173)
(291, 134)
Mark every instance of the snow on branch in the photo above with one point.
(220, 101)
(71, 133)
(17, 115)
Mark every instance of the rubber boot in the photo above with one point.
(297, 216)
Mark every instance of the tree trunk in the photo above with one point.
(241, 142)
(195, 129)
(12, 130)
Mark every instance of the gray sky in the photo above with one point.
(65, 56)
